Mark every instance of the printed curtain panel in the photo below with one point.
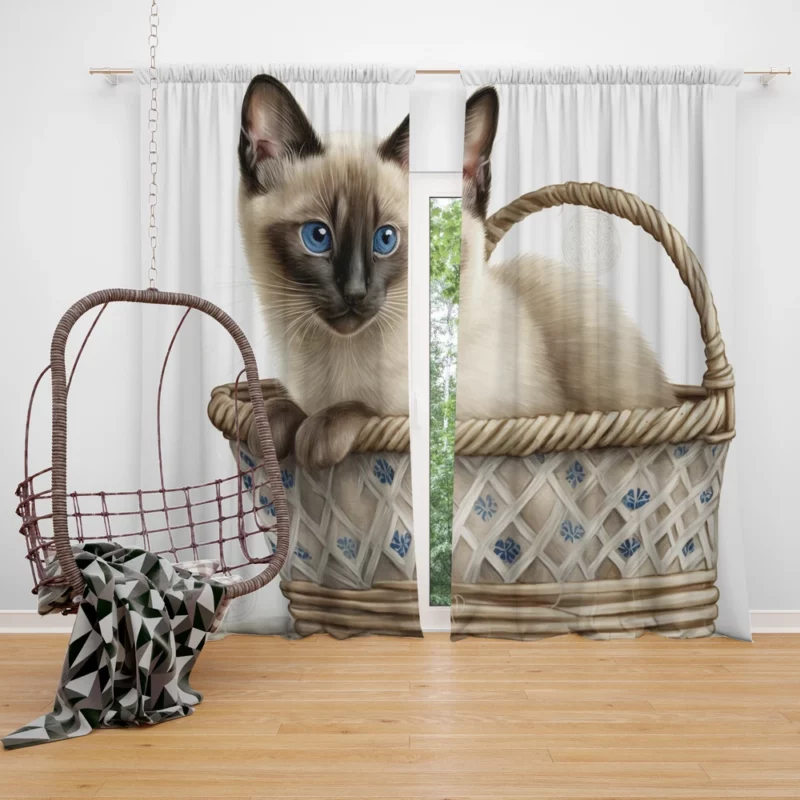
(593, 426)
(283, 199)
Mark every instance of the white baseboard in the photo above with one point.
(775, 621)
(31, 622)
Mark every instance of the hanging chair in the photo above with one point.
(208, 521)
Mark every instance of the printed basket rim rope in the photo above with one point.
(49, 507)
(706, 412)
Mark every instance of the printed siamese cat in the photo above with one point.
(325, 227)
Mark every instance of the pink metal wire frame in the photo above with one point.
(215, 520)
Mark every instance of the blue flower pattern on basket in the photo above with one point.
(267, 506)
(302, 553)
(572, 531)
(575, 474)
(688, 547)
(348, 546)
(383, 471)
(485, 507)
(287, 478)
(706, 495)
(247, 480)
(629, 547)
(247, 460)
(636, 498)
(401, 543)
(507, 550)
(681, 450)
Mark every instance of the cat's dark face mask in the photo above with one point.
(337, 231)
(345, 258)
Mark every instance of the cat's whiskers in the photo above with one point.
(308, 322)
(294, 322)
(287, 320)
(297, 318)
(283, 291)
(383, 330)
(389, 321)
(287, 298)
(393, 314)
(288, 308)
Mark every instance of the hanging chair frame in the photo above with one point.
(39, 545)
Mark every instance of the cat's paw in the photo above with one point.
(285, 418)
(326, 438)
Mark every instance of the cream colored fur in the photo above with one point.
(536, 337)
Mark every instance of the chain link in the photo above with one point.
(152, 273)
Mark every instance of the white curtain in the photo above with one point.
(668, 135)
(200, 252)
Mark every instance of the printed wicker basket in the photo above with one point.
(602, 523)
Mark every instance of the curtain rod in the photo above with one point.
(767, 75)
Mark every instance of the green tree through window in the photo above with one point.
(445, 257)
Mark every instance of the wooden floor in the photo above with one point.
(412, 718)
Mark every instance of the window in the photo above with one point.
(445, 257)
(434, 256)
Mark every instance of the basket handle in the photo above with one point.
(66, 559)
(719, 373)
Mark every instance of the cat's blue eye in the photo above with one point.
(316, 237)
(385, 241)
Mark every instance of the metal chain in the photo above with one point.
(152, 273)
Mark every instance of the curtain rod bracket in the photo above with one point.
(773, 73)
(111, 74)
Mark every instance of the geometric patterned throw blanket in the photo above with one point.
(137, 635)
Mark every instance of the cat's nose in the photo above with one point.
(354, 292)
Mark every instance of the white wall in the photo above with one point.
(69, 210)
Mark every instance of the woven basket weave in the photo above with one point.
(605, 542)
(603, 523)
(351, 566)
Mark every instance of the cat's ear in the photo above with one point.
(395, 146)
(483, 109)
(273, 126)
